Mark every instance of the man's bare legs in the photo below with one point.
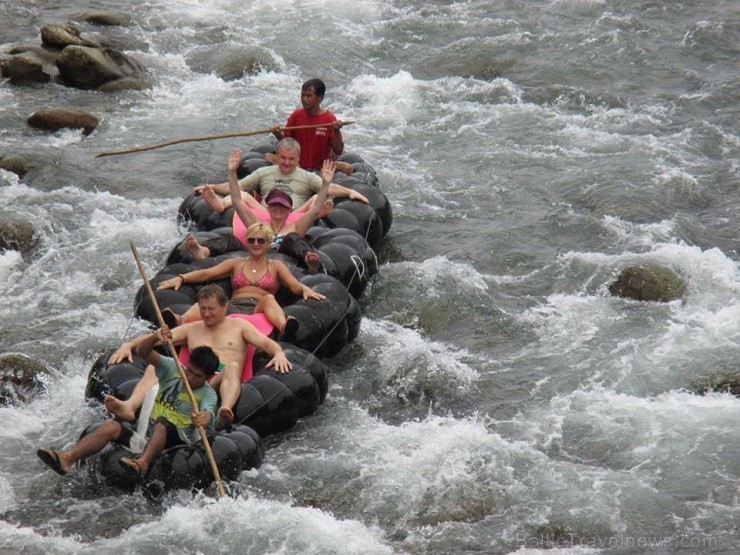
(61, 461)
(126, 410)
(230, 389)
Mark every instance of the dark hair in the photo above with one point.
(315, 84)
(206, 359)
(212, 290)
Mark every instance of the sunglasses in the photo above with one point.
(258, 240)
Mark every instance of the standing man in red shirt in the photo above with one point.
(320, 143)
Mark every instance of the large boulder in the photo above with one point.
(17, 234)
(653, 283)
(53, 119)
(23, 69)
(48, 55)
(61, 36)
(89, 68)
(21, 377)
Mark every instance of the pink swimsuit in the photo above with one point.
(266, 282)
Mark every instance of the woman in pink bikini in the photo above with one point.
(254, 280)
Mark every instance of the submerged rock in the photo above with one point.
(21, 378)
(125, 84)
(54, 119)
(15, 164)
(648, 284)
(230, 62)
(727, 382)
(17, 234)
(111, 19)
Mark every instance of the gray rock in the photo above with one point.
(57, 118)
(60, 36)
(15, 164)
(21, 378)
(648, 284)
(230, 62)
(48, 55)
(89, 68)
(125, 84)
(17, 234)
(111, 19)
(24, 69)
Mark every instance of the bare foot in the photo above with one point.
(328, 207)
(344, 167)
(271, 157)
(313, 262)
(196, 250)
(224, 417)
(122, 409)
(213, 200)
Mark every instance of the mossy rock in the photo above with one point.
(654, 283)
(21, 378)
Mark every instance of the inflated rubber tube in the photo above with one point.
(376, 198)
(193, 209)
(272, 402)
(251, 162)
(351, 272)
(185, 466)
(322, 236)
(119, 379)
(323, 327)
(353, 319)
(357, 216)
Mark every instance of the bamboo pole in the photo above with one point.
(214, 137)
(173, 352)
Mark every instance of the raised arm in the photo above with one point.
(304, 222)
(245, 213)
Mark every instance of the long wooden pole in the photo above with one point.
(213, 137)
(173, 352)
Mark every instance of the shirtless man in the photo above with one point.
(228, 337)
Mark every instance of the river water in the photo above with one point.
(498, 399)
